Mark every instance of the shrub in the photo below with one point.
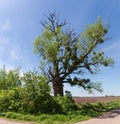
(9, 78)
(10, 100)
(66, 103)
(33, 97)
(36, 95)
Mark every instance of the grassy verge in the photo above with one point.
(69, 118)
(86, 111)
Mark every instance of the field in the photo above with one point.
(95, 99)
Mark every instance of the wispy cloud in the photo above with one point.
(113, 49)
(113, 46)
(10, 49)
(4, 43)
(14, 55)
(4, 26)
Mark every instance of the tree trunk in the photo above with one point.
(58, 88)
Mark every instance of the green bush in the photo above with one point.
(36, 95)
(9, 78)
(10, 100)
(17, 100)
(84, 112)
(66, 103)
(33, 97)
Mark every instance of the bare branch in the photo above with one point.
(53, 21)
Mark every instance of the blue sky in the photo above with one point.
(20, 25)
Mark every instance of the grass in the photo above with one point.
(48, 119)
(85, 112)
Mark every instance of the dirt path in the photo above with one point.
(3, 121)
(108, 118)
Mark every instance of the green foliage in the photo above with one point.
(112, 105)
(36, 94)
(35, 83)
(66, 103)
(68, 94)
(25, 101)
(10, 100)
(32, 97)
(65, 53)
(9, 78)
(96, 109)
(93, 109)
(85, 112)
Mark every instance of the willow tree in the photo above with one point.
(66, 55)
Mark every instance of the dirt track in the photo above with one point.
(3, 121)
(108, 118)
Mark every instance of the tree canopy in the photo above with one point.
(64, 52)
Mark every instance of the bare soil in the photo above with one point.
(112, 117)
(3, 121)
(95, 99)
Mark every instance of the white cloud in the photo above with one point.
(113, 49)
(4, 41)
(10, 49)
(5, 25)
(4, 44)
(113, 46)
(12, 54)
(15, 55)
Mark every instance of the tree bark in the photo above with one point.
(58, 88)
